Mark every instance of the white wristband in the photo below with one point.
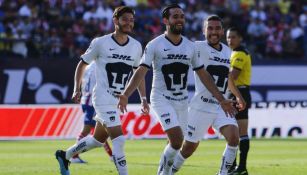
(144, 98)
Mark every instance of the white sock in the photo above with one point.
(229, 156)
(167, 159)
(178, 162)
(119, 155)
(83, 145)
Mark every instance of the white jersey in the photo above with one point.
(217, 63)
(114, 66)
(88, 83)
(170, 64)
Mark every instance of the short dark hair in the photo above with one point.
(237, 30)
(165, 11)
(214, 18)
(119, 11)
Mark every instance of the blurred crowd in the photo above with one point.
(47, 29)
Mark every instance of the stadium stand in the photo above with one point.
(275, 29)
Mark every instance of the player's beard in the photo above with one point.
(175, 30)
(214, 41)
(121, 29)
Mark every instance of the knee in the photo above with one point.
(233, 140)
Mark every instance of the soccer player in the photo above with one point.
(87, 85)
(115, 55)
(204, 109)
(171, 55)
(240, 70)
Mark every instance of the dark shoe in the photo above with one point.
(240, 171)
(63, 162)
(231, 170)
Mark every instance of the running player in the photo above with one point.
(240, 70)
(171, 55)
(87, 85)
(204, 109)
(115, 55)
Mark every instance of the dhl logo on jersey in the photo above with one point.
(121, 57)
(176, 57)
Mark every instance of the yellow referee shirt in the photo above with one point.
(241, 59)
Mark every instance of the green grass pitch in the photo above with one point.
(266, 157)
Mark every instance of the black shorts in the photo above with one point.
(245, 92)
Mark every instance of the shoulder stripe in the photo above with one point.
(145, 65)
(197, 68)
(84, 61)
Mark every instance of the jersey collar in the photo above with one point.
(172, 41)
(119, 43)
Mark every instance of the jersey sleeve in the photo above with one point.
(197, 60)
(91, 53)
(148, 55)
(138, 55)
(238, 60)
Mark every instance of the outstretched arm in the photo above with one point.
(135, 81)
(76, 96)
(208, 82)
(241, 104)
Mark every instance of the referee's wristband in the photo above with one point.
(144, 98)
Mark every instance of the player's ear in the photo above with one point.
(165, 21)
(115, 21)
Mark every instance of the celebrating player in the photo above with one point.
(115, 55)
(87, 85)
(204, 109)
(171, 55)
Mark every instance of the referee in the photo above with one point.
(240, 70)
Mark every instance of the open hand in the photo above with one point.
(122, 103)
(229, 109)
(76, 97)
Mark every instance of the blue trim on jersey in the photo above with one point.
(221, 47)
(118, 42)
(172, 41)
(145, 65)
(84, 61)
(197, 68)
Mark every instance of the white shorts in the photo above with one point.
(170, 117)
(108, 115)
(200, 121)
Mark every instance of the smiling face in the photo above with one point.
(213, 31)
(124, 23)
(175, 22)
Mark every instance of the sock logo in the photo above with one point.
(190, 134)
(228, 165)
(80, 146)
(122, 163)
(112, 118)
(168, 121)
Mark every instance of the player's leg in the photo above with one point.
(118, 142)
(89, 123)
(89, 142)
(168, 119)
(197, 123)
(110, 116)
(242, 119)
(243, 147)
(85, 144)
(229, 129)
